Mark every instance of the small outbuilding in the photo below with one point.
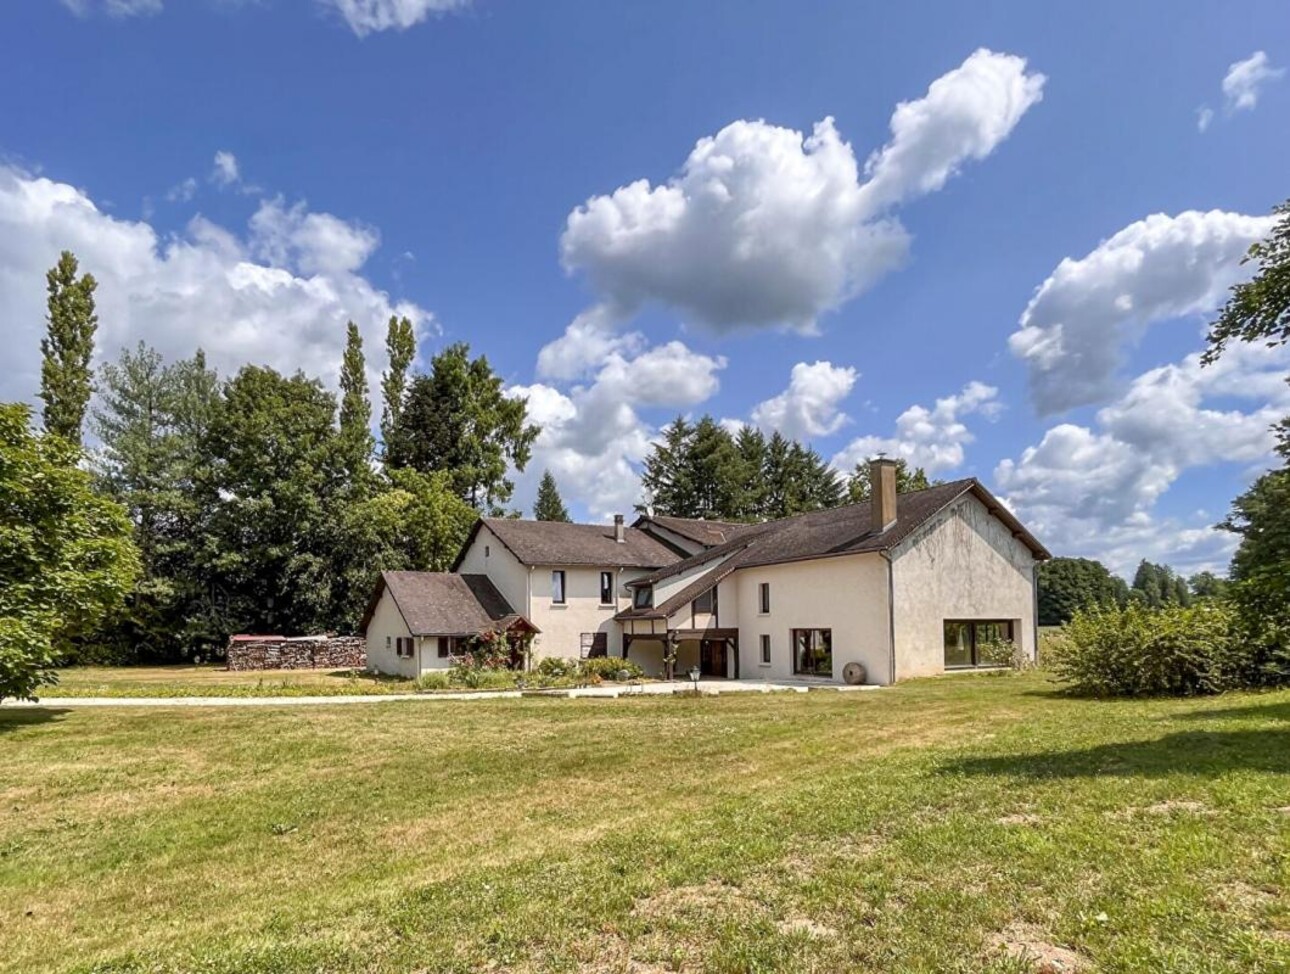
(418, 621)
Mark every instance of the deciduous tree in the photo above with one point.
(66, 381)
(355, 409)
(66, 558)
(401, 349)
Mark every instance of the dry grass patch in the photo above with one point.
(1027, 944)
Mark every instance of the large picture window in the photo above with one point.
(813, 652)
(965, 637)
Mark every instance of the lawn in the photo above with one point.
(214, 680)
(946, 825)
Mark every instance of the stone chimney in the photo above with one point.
(882, 494)
(620, 532)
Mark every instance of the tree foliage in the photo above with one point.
(1067, 585)
(1156, 586)
(457, 419)
(549, 506)
(66, 558)
(400, 349)
(701, 470)
(66, 380)
(355, 409)
(907, 479)
(1258, 310)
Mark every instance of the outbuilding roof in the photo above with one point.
(838, 531)
(561, 543)
(445, 604)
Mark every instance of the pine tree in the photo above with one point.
(549, 505)
(355, 408)
(713, 470)
(750, 503)
(401, 348)
(666, 477)
(65, 377)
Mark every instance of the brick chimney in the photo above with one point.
(882, 494)
(620, 532)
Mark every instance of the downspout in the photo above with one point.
(528, 613)
(891, 614)
(1034, 609)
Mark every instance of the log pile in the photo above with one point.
(299, 653)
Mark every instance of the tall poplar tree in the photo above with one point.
(355, 408)
(65, 377)
(401, 348)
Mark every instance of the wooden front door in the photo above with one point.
(712, 657)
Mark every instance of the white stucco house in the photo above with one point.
(903, 585)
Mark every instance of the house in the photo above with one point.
(907, 585)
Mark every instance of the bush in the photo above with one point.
(1004, 652)
(610, 668)
(555, 667)
(1137, 651)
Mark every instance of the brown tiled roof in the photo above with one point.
(825, 534)
(697, 529)
(560, 543)
(445, 604)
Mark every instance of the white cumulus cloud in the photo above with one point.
(225, 171)
(1246, 79)
(1093, 490)
(932, 438)
(368, 16)
(764, 226)
(809, 407)
(1073, 333)
(236, 296)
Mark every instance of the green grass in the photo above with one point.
(215, 681)
(907, 830)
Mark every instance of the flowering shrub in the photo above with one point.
(611, 667)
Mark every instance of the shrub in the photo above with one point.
(610, 668)
(554, 666)
(1004, 652)
(1137, 651)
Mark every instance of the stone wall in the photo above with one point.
(306, 653)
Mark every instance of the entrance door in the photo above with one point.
(712, 657)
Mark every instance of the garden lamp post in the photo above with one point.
(694, 678)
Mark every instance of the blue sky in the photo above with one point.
(244, 176)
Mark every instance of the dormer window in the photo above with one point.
(644, 597)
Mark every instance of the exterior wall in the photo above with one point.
(670, 586)
(562, 626)
(964, 565)
(847, 595)
(488, 556)
(387, 625)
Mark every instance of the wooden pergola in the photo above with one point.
(671, 638)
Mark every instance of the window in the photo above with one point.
(445, 647)
(813, 652)
(644, 597)
(487, 551)
(707, 602)
(557, 587)
(387, 642)
(763, 598)
(606, 588)
(964, 639)
(404, 647)
(594, 644)
(765, 650)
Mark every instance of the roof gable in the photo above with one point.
(444, 603)
(842, 530)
